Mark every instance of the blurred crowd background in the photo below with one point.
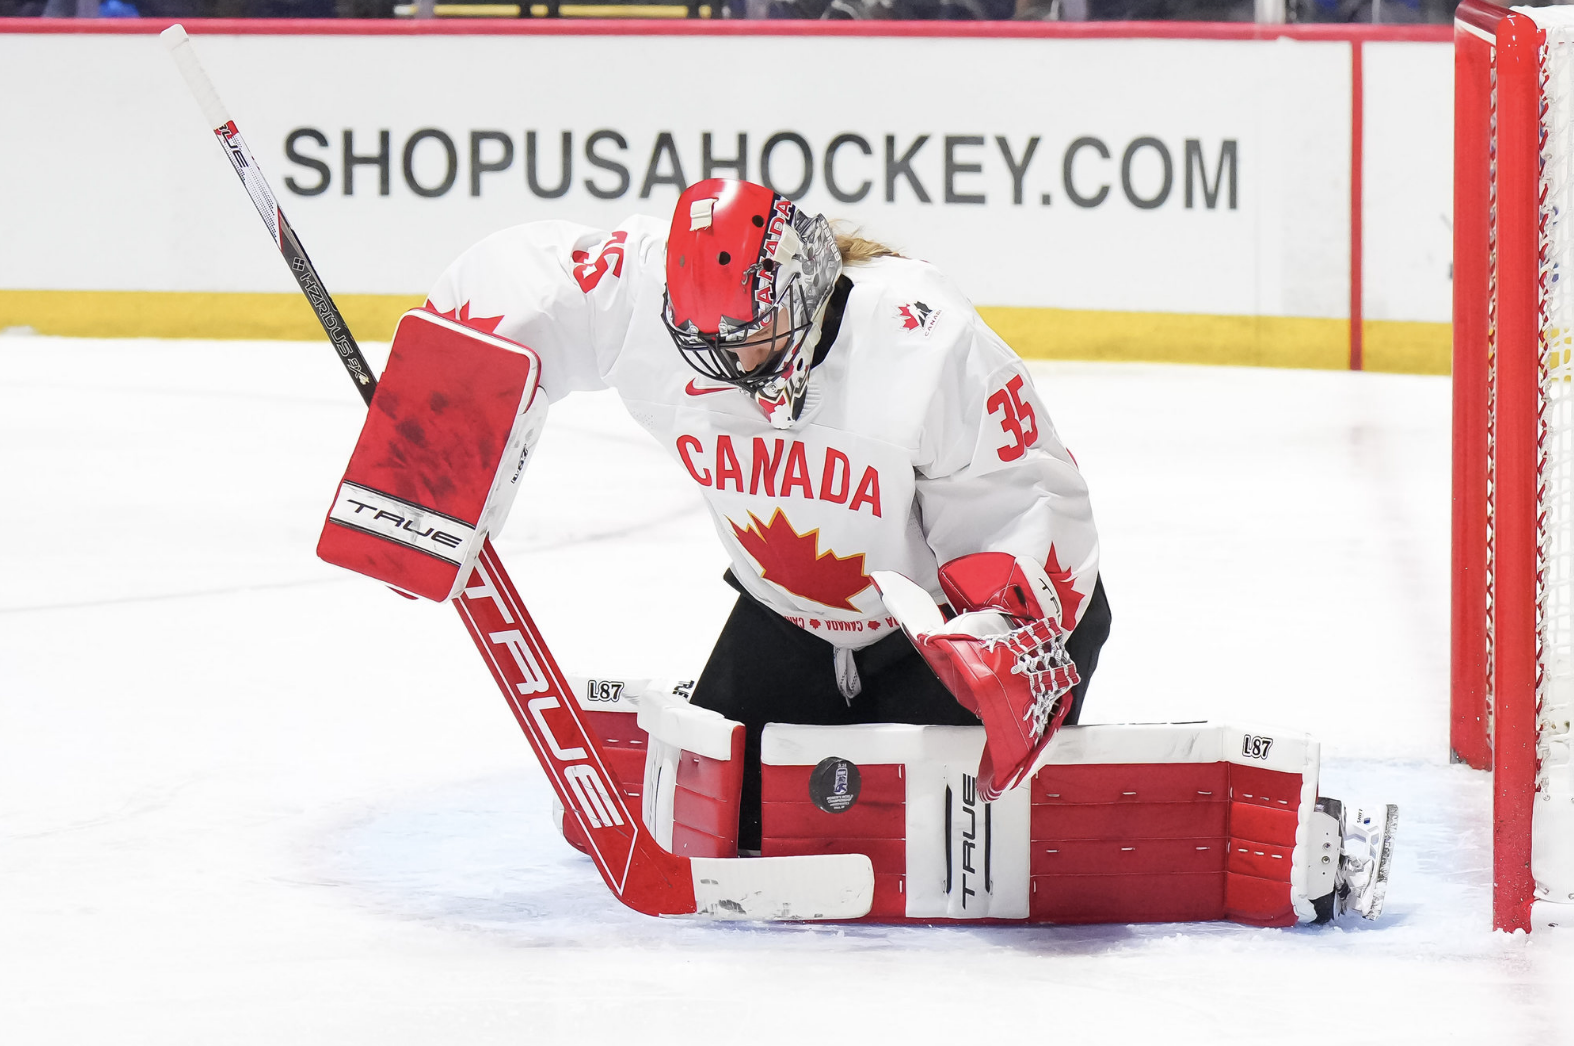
(1382, 11)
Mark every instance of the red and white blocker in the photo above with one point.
(439, 459)
(1146, 823)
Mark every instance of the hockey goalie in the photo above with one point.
(919, 610)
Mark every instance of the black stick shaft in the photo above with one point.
(328, 314)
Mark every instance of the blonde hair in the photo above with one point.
(855, 249)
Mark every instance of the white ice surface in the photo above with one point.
(248, 798)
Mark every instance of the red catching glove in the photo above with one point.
(1003, 656)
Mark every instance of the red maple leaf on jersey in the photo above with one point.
(794, 561)
(1070, 598)
(485, 324)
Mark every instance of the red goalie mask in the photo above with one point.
(748, 278)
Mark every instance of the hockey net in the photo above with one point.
(1513, 527)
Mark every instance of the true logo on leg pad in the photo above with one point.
(834, 784)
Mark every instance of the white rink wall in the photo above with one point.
(1180, 176)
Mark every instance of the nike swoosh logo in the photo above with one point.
(695, 390)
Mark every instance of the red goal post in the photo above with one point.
(1512, 670)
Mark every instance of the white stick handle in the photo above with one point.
(185, 56)
(234, 145)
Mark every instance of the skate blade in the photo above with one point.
(1379, 894)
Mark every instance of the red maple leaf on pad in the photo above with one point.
(485, 324)
(794, 561)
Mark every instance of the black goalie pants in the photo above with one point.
(764, 669)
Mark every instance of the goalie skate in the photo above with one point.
(1364, 845)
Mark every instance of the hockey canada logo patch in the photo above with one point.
(917, 317)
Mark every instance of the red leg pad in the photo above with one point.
(876, 825)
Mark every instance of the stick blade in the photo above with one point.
(810, 887)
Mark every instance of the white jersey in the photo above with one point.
(921, 438)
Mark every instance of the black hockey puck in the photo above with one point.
(834, 784)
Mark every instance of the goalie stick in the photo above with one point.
(634, 866)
